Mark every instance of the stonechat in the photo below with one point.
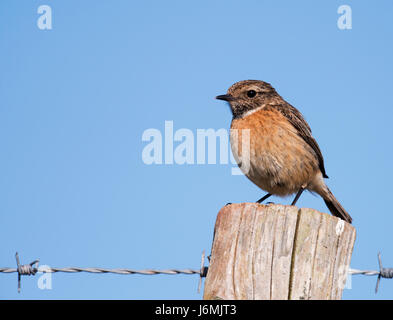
(284, 158)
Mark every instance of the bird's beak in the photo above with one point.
(225, 97)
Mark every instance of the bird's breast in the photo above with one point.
(271, 153)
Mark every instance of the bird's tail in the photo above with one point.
(335, 207)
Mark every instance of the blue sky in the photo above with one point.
(75, 101)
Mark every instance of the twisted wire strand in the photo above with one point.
(363, 272)
(27, 270)
(32, 269)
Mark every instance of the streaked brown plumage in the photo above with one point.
(284, 157)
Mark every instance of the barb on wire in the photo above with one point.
(26, 269)
(382, 273)
(202, 271)
(29, 270)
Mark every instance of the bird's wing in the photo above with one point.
(296, 119)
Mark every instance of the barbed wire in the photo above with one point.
(386, 273)
(33, 268)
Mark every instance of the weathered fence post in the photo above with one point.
(278, 252)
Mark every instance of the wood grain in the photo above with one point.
(278, 252)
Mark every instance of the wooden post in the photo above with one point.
(278, 252)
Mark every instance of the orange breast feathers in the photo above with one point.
(278, 160)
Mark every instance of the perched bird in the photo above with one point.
(284, 158)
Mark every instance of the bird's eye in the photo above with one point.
(251, 93)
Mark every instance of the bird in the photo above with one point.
(283, 157)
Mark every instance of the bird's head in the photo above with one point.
(248, 95)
